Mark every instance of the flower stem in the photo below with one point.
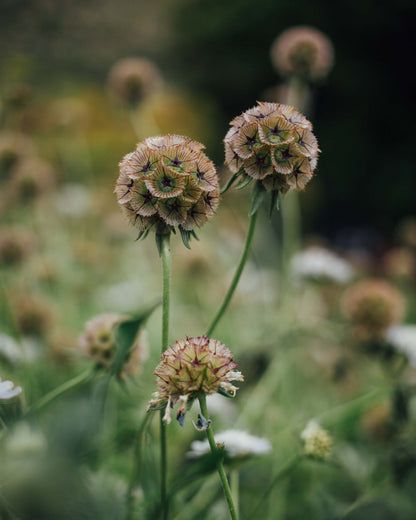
(237, 275)
(218, 458)
(68, 385)
(167, 272)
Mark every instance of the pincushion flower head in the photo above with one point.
(303, 51)
(372, 306)
(191, 367)
(168, 183)
(274, 145)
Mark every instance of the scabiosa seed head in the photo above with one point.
(372, 306)
(15, 245)
(317, 441)
(273, 144)
(303, 51)
(99, 343)
(191, 367)
(33, 178)
(168, 183)
(131, 79)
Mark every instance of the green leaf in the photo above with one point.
(274, 202)
(125, 336)
(194, 235)
(244, 182)
(230, 182)
(259, 194)
(186, 236)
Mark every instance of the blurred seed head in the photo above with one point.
(32, 314)
(317, 441)
(371, 307)
(191, 367)
(304, 52)
(14, 148)
(168, 182)
(15, 246)
(99, 343)
(274, 144)
(400, 263)
(132, 79)
(33, 178)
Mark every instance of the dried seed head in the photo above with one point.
(131, 79)
(303, 51)
(33, 314)
(272, 143)
(99, 343)
(168, 182)
(372, 306)
(191, 367)
(318, 442)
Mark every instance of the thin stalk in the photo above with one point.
(65, 387)
(218, 459)
(236, 277)
(167, 274)
(283, 471)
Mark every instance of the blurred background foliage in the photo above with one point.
(219, 52)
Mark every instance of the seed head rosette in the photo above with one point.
(303, 51)
(274, 145)
(168, 183)
(372, 306)
(189, 368)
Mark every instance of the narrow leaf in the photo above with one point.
(244, 182)
(274, 202)
(125, 336)
(186, 235)
(230, 182)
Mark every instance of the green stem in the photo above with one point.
(297, 93)
(68, 385)
(167, 273)
(236, 277)
(283, 471)
(218, 459)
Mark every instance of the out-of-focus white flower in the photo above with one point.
(25, 441)
(403, 338)
(8, 390)
(237, 444)
(320, 264)
(221, 407)
(9, 349)
(72, 200)
(317, 441)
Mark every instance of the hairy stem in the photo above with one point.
(167, 272)
(236, 277)
(218, 459)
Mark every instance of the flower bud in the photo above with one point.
(191, 367)
(318, 442)
(99, 343)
